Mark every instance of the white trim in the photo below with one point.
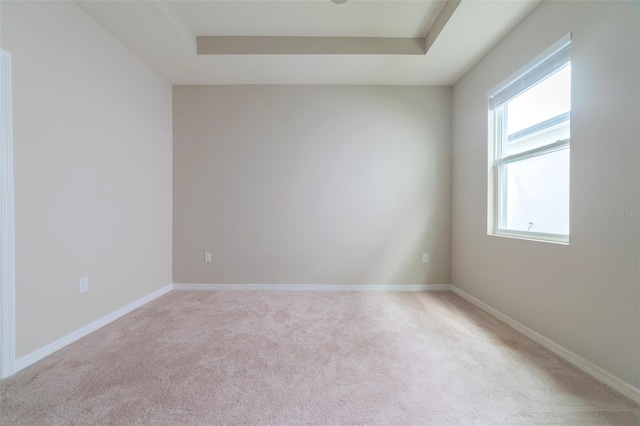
(47, 350)
(531, 236)
(314, 287)
(7, 238)
(593, 370)
(535, 152)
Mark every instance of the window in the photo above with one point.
(529, 149)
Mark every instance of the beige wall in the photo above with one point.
(585, 296)
(92, 155)
(311, 185)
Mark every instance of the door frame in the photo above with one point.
(7, 236)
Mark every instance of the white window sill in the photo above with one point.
(530, 236)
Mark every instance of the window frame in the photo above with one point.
(552, 60)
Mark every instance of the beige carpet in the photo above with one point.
(273, 358)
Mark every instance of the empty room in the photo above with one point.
(323, 212)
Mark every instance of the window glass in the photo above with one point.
(537, 194)
(547, 99)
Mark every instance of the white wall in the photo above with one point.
(92, 156)
(311, 184)
(585, 296)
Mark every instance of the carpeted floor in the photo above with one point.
(319, 358)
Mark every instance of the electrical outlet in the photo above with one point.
(425, 257)
(207, 257)
(83, 284)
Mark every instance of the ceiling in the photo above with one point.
(310, 41)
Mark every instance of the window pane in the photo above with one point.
(537, 194)
(547, 99)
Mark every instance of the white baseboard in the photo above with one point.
(593, 370)
(47, 350)
(315, 287)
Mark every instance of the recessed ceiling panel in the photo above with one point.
(164, 35)
(314, 18)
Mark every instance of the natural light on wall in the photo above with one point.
(529, 149)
